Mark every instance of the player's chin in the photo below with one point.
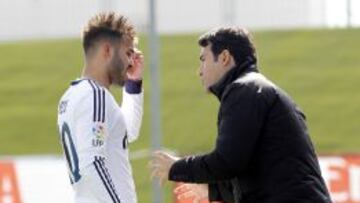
(121, 83)
(118, 82)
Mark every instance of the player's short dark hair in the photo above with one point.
(238, 41)
(108, 26)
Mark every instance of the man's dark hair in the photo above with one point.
(107, 26)
(237, 41)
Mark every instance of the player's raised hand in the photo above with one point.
(160, 165)
(135, 72)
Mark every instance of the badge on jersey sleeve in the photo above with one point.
(98, 131)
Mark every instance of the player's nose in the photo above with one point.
(131, 62)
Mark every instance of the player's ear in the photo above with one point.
(106, 50)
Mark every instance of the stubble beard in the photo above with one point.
(118, 72)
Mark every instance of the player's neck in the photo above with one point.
(96, 74)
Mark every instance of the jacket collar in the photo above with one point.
(218, 88)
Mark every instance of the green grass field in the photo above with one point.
(320, 69)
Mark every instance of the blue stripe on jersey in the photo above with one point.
(99, 95)
(75, 82)
(108, 177)
(103, 106)
(105, 170)
(103, 180)
(105, 177)
(99, 107)
(94, 91)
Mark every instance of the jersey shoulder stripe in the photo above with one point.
(99, 102)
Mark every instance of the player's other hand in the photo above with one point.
(135, 71)
(196, 192)
(160, 165)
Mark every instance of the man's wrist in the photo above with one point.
(133, 86)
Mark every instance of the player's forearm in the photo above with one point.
(132, 108)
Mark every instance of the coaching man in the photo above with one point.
(263, 152)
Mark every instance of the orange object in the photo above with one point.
(342, 177)
(9, 190)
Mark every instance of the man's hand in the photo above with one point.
(135, 72)
(197, 192)
(160, 165)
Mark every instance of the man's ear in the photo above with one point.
(225, 57)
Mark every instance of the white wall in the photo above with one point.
(188, 15)
(23, 19)
(281, 13)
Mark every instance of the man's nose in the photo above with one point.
(199, 72)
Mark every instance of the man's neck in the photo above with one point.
(95, 73)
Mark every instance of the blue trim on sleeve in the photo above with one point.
(133, 86)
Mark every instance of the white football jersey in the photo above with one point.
(95, 132)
